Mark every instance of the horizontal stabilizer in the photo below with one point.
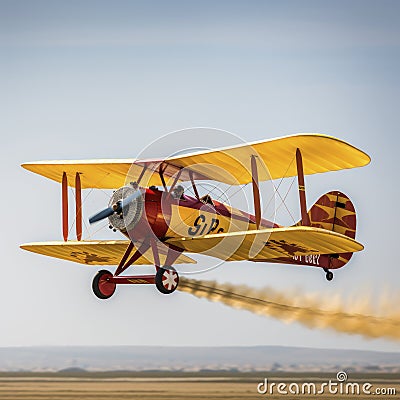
(96, 252)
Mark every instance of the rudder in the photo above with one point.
(334, 211)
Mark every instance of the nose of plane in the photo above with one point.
(124, 210)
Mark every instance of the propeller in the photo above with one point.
(118, 208)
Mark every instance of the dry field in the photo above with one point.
(234, 386)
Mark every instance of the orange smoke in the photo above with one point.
(314, 312)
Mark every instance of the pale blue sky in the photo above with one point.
(97, 79)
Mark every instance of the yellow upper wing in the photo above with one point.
(96, 252)
(269, 243)
(230, 165)
(321, 153)
(99, 174)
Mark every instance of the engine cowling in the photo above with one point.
(131, 213)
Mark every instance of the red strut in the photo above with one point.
(256, 190)
(64, 202)
(78, 206)
(305, 220)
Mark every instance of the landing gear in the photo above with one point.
(102, 286)
(329, 275)
(166, 280)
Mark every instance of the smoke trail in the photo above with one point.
(315, 313)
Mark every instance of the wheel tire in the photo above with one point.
(329, 276)
(167, 280)
(101, 286)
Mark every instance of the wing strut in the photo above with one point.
(305, 220)
(172, 187)
(141, 174)
(256, 190)
(78, 206)
(194, 185)
(64, 202)
(161, 173)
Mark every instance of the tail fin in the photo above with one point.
(334, 211)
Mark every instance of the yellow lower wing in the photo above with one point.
(269, 243)
(96, 252)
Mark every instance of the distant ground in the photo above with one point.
(194, 359)
(210, 385)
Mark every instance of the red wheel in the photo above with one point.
(102, 287)
(167, 280)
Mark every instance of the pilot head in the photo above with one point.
(178, 192)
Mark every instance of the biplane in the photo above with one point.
(161, 223)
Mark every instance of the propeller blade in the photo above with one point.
(125, 202)
(117, 207)
(101, 215)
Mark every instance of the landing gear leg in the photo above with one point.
(329, 274)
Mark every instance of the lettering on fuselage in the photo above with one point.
(310, 259)
(203, 227)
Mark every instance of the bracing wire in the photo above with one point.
(87, 229)
(283, 200)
